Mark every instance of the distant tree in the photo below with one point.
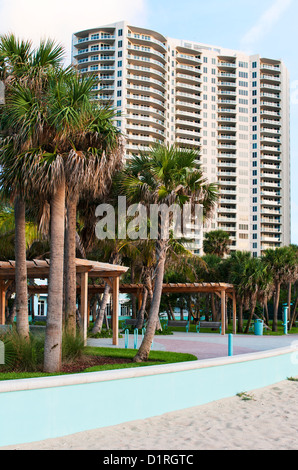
(216, 243)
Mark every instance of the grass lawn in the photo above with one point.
(155, 358)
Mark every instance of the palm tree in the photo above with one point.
(212, 273)
(20, 65)
(167, 175)
(282, 263)
(238, 263)
(66, 154)
(257, 280)
(216, 243)
(93, 178)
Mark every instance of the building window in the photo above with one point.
(120, 32)
(41, 308)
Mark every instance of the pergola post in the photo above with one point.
(223, 312)
(234, 314)
(115, 311)
(84, 304)
(2, 302)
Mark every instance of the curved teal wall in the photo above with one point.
(49, 411)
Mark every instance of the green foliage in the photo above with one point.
(216, 243)
(23, 354)
(103, 334)
(26, 355)
(72, 346)
(245, 396)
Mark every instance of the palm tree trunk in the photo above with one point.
(253, 307)
(21, 269)
(276, 305)
(143, 353)
(240, 318)
(141, 313)
(170, 311)
(99, 320)
(266, 311)
(289, 299)
(53, 340)
(70, 266)
(294, 315)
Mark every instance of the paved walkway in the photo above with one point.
(206, 346)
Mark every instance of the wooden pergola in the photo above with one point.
(39, 269)
(222, 290)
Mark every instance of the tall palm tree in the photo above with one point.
(282, 263)
(257, 280)
(167, 175)
(65, 155)
(20, 64)
(238, 263)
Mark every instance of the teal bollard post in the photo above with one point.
(126, 338)
(136, 333)
(231, 349)
(285, 323)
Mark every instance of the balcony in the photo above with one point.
(183, 122)
(139, 58)
(227, 173)
(147, 50)
(185, 104)
(188, 58)
(273, 68)
(147, 39)
(226, 147)
(270, 78)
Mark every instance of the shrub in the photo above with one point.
(27, 355)
(72, 346)
(23, 354)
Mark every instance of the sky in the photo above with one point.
(266, 27)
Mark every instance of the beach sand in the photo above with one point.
(268, 420)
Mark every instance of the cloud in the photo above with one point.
(265, 24)
(59, 19)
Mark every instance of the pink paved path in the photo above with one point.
(201, 350)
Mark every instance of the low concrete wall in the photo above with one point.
(37, 409)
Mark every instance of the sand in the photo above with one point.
(267, 420)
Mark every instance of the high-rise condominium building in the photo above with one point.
(232, 107)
